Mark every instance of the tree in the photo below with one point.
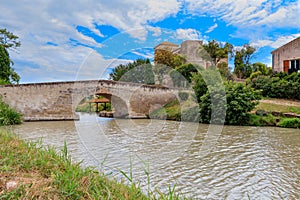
(218, 51)
(7, 73)
(242, 65)
(8, 39)
(166, 57)
(239, 100)
(182, 75)
(139, 71)
(260, 67)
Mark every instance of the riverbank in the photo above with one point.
(29, 171)
(269, 112)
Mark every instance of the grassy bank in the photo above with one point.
(260, 116)
(29, 171)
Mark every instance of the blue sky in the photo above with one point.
(78, 40)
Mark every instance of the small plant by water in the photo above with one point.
(290, 123)
(8, 115)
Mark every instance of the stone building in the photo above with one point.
(287, 57)
(189, 49)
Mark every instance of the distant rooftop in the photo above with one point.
(166, 43)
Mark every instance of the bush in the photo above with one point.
(261, 120)
(290, 123)
(279, 85)
(8, 116)
(239, 101)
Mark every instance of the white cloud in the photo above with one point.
(155, 30)
(38, 22)
(213, 27)
(274, 43)
(187, 34)
(245, 13)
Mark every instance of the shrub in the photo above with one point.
(8, 116)
(279, 85)
(262, 120)
(290, 123)
(239, 101)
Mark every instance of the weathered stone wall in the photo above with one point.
(58, 100)
(289, 51)
(190, 49)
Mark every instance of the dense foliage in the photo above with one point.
(166, 57)
(290, 123)
(239, 101)
(217, 98)
(242, 65)
(8, 116)
(139, 71)
(7, 73)
(182, 75)
(217, 51)
(280, 85)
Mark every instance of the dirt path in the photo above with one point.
(284, 102)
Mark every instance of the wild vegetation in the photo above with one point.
(7, 73)
(29, 171)
(238, 99)
(277, 85)
(8, 115)
(140, 71)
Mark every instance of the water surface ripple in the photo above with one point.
(260, 163)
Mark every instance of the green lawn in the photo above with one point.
(279, 108)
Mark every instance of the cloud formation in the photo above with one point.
(274, 43)
(245, 13)
(213, 27)
(187, 34)
(53, 48)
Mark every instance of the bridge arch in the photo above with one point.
(58, 100)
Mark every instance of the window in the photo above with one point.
(295, 66)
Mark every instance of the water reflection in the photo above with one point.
(263, 163)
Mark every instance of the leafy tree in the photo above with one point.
(258, 66)
(7, 73)
(242, 65)
(218, 51)
(8, 39)
(160, 71)
(224, 70)
(4, 65)
(140, 74)
(183, 74)
(166, 57)
(139, 71)
(239, 100)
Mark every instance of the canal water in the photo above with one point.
(201, 161)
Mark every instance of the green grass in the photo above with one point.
(279, 108)
(45, 174)
(171, 111)
(256, 120)
(290, 123)
(8, 115)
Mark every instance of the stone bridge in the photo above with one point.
(58, 100)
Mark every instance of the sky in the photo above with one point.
(84, 39)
